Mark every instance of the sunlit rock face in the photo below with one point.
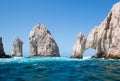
(79, 47)
(105, 38)
(17, 48)
(42, 43)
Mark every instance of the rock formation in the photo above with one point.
(42, 43)
(17, 48)
(104, 38)
(79, 46)
(2, 53)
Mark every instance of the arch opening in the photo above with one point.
(88, 53)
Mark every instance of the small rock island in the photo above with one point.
(105, 38)
(17, 48)
(42, 43)
(2, 52)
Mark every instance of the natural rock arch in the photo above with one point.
(83, 44)
(104, 38)
(89, 53)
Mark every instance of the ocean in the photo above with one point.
(59, 69)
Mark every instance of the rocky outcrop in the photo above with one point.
(79, 47)
(104, 38)
(2, 53)
(42, 43)
(17, 48)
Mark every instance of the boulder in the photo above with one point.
(42, 43)
(104, 38)
(17, 48)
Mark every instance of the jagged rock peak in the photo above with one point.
(104, 38)
(79, 47)
(116, 7)
(42, 43)
(2, 53)
(17, 48)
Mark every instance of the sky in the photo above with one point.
(64, 18)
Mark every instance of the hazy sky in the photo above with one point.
(64, 18)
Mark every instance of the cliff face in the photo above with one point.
(104, 38)
(17, 48)
(42, 43)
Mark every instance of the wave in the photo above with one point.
(87, 57)
(58, 68)
(18, 57)
(46, 59)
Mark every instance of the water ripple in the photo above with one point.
(59, 69)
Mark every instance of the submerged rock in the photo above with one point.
(104, 38)
(2, 52)
(42, 43)
(17, 48)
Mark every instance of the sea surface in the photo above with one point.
(59, 69)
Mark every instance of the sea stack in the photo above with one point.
(17, 48)
(2, 52)
(105, 38)
(42, 43)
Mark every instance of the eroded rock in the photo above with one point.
(79, 47)
(104, 38)
(42, 43)
(2, 52)
(17, 48)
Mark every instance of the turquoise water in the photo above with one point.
(59, 69)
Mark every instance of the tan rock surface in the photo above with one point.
(105, 38)
(17, 48)
(42, 43)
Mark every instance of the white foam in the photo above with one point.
(38, 59)
(17, 57)
(87, 57)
